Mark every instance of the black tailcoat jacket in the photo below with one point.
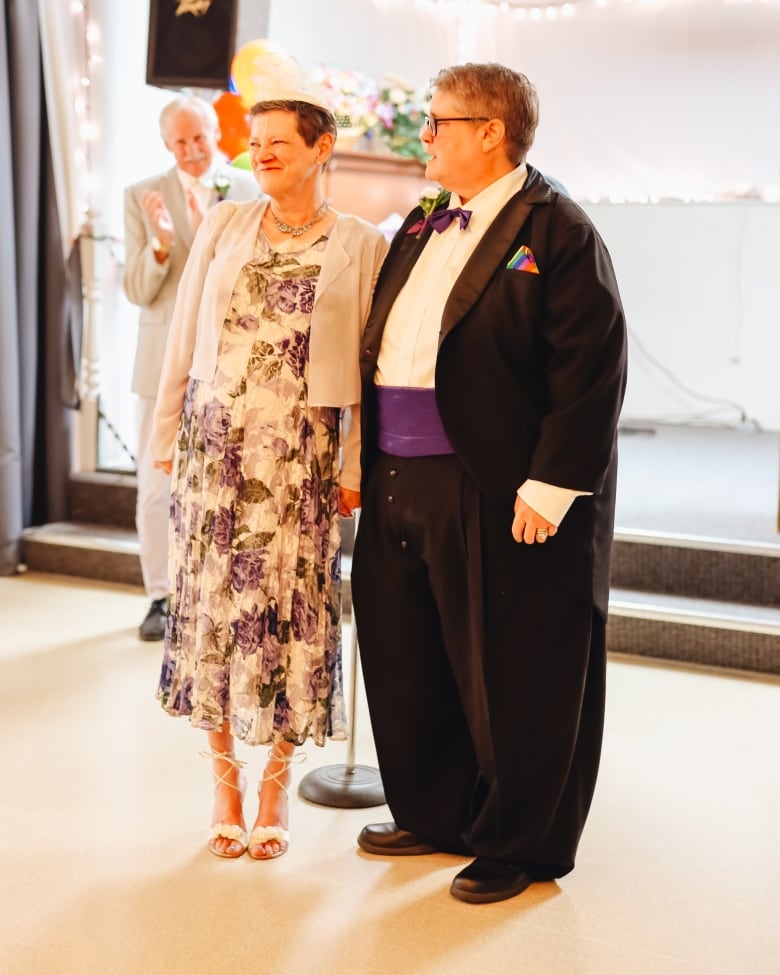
(529, 381)
(530, 372)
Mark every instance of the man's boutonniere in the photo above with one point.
(222, 186)
(433, 197)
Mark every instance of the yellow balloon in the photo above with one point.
(253, 66)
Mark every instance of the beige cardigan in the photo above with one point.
(223, 244)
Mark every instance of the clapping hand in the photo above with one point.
(158, 216)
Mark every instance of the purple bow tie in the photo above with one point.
(441, 219)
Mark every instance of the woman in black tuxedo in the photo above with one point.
(493, 368)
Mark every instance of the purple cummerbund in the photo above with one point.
(409, 422)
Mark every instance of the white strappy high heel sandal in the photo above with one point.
(227, 831)
(262, 836)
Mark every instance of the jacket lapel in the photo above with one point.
(487, 257)
(333, 264)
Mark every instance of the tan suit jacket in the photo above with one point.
(151, 285)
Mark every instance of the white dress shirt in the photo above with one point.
(407, 356)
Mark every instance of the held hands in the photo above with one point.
(529, 526)
(163, 465)
(348, 501)
(158, 216)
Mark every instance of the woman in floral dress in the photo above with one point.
(260, 372)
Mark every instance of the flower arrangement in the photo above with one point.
(352, 96)
(390, 113)
(400, 111)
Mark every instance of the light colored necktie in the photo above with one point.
(198, 193)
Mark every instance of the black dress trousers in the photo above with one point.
(484, 677)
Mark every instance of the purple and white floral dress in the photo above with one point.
(254, 635)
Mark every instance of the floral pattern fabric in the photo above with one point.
(254, 632)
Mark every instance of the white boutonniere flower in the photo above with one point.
(432, 198)
(222, 185)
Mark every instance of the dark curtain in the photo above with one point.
(40, 299)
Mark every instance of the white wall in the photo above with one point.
(638, 100)
(702, 300)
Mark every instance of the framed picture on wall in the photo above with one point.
(191, 43)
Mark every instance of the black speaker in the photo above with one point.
(191, 43)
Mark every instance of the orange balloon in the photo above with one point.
(249, 60)
(233, 124)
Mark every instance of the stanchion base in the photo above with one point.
(337, 785)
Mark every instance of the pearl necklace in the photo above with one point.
(285, 228)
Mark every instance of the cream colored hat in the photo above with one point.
(279, 77)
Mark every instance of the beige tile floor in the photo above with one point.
(104, 806)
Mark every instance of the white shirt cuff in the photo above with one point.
(550, 501)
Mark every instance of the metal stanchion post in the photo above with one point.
(347, 786)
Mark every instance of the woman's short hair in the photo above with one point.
(495, 91)
(312, 121)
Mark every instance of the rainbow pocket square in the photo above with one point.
(523, 260)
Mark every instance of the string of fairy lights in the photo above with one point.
(100, 265)
(538, 10)
(519, 9)
(87, 45)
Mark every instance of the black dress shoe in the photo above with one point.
(386, 839)
(486, 880)
(153, 626)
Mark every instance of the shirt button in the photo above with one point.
(404, 544)
(390, 499)
(393, 473)
(366, 353)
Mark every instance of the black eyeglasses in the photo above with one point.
(432, 124)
